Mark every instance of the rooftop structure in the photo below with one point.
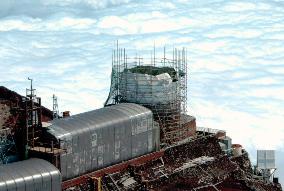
(102, 137)
(158, 83)
(266, 159)
(266, 163)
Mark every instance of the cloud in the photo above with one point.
(253, 131)
(43, 8)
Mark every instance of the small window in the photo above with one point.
(101, 150)
(94, 139)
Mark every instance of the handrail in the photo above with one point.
(48, 147)
(209, 130)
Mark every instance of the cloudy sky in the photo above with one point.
(235, 51)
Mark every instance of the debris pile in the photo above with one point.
(197, 165)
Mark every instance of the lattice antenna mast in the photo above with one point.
(55, 107)
(33, 118)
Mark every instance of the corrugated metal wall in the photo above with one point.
(30, 175)
(103, 137)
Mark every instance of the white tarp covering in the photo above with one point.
(144, 88)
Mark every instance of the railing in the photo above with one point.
(50, 148)
(209, 130)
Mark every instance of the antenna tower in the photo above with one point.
(55, 107)
(33, 118)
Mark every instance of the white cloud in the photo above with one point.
(28, 24)
(240, 6)
(43, 8)
(261, 132)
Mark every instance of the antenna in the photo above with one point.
(32, 119)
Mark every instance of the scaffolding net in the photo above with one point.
(7, 145)
(158, 83)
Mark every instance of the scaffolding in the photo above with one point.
(32, 105)
(55, 110)
(158, 83)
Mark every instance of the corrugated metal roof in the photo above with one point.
(95, 119)
(103, 137)
(30, 175)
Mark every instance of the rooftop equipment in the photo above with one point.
(266, 163)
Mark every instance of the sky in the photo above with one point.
(235, 57)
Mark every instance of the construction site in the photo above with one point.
(142, 139)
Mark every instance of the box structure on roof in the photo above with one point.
(266, 159)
